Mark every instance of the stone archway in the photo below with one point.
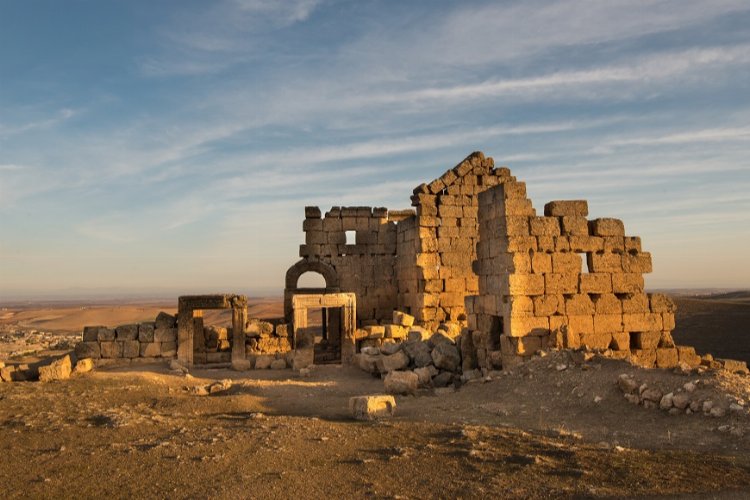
(293, 274)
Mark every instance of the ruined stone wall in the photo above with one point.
(436, 252)
(366, 267)
(151, 340)
(534, 291)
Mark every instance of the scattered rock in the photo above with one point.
(57, 370)
(445, 355)
(401, 382)
(627, 384)
(666, 401)
(84, 366)
(372, 407)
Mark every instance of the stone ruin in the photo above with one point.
(469, 281)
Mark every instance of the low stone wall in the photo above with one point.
(153, 339)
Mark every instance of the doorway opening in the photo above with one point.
(325, 325)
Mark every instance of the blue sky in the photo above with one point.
(173, 145)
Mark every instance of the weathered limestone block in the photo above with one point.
(604, 263)
(521, 326)
(598, 283)
(168, 349)
(544, 226)
(547, 305)
(131, 348)
(582, 323)
(661, 303)
(620, 340)
(88, 350)
(596, 341)
(667, 358)
(687, 355)
(127, 332)
(645, 358)
(91, 333)
(635, 303)
(397, 361)
(84, 366)
(579, 304)
(446, 356)
(638, 263)
(559, 208)
(165, 334)
(111, 349)
(608, 304)
(525, 346)
(566, 263)
(585, 243)
(526, 284)
(627, 283)
(646, 340)
(372, 407)
(57, 370)
(642, 322)
(607, 227)
(733, 365)
(106, 334)
(401, 382)
(150, 349)
(608, 323)
(303, 358)
(556, 283)
(146, 332)
(403, 319)
(165, 320)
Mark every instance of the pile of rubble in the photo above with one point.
(409, 357)
(44, 371)
(694, 397)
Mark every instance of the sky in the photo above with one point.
(172, 146)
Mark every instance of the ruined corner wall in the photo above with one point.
(146, 341)
(367, 267)
(534, 293)
(436, 249)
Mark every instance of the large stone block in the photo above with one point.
(556, 283)
(661, 303)
(645, 340)
(620, 340)
(574, 226)
(88, 350)
(544, 226)
(520, 326)
(111, 349)
(560, 208)
(526, 284)
(635, 303)
(547, 305)
(608, 323)
(642, 322)
(91, 333)
(667, 358)
(396, 361)
(598, 283)
(579, 304)
(687, 355)
(168, 349)
(567, 263)
(604, 262)
(401, 382)
(645, 358)
(597, 341)
(608, 304)
(131, 348)
(146, 332)
(372, 407)
(106, 334)
(638, 263)
(165, 334)
(150, 349)
(127, 332)
(446, 356)
(57, 370)
(403, 319)
(627, 283)
(607, 227)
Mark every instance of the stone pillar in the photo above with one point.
(185, 337)
(239, 318)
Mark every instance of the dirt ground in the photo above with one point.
(550, 429)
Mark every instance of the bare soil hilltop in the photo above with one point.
(557, 427)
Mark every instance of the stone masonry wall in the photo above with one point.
(153, 339)
(534, 292)
(436, 254)
(366, 267)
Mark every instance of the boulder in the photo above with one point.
(57, 370)
(666, 401)
(372, 407)
(367, 363)
(413, 349)
(370, 351)
(401, 382)
(681, 400)
(390, 348)
(440, 337)
(397, 361)
(627, 384)
(417, 334)
(652, 394)
(442, 379)
(445, 356)
(425, 375)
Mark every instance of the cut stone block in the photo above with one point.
(401, 382)
(372, 407)
(607, 227)
(559, 208)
